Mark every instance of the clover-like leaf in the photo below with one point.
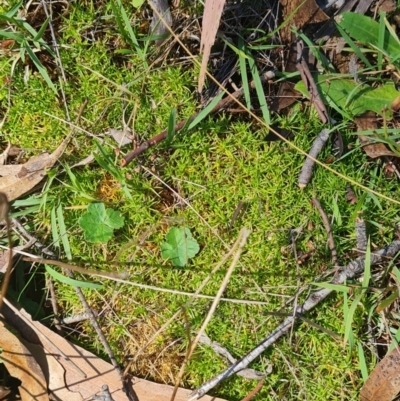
(180, 246)
(99, 223)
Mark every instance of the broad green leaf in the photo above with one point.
(352, 97)
(180, 246)
(367, 31)
(137, 3)
(98, 223)
(66, 280)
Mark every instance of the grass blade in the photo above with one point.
(243, 73)
(325, 62)
(39, 35)
(40, 68)
(70, 281)
(362, 362)
(171, 127)
(125, 28)
(54, 230)
(354, 47)
(335, 287)
(63, 233)
(348, 320)
(206, 111)
(367, 266)
(14, 10)
(381, 38)
(259, 89)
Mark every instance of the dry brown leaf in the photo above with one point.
(20, 179)
(68, 384)
(21, 364)
(211, 17)
(366, 122)
(383, 384)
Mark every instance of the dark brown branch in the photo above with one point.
(222, 104)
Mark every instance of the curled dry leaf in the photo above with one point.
(383, 384)
(367, 122)
(17, 180)
(21, 364)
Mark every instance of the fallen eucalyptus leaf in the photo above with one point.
(18, 180)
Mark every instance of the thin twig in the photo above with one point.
(309, 82)
(28, 236)
(254, 392)
(325, 220)
(239, 244)
(351, 270)
(53, 299)
(224, 353)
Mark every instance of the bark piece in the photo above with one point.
(308, 166)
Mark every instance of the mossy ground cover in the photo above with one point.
(222, 162)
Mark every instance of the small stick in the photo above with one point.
(54, 305)
(163, 135)
(308, 166)
(352, 269)
(331, 241)
(36, 243)
(254, 392)
(309, 82)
